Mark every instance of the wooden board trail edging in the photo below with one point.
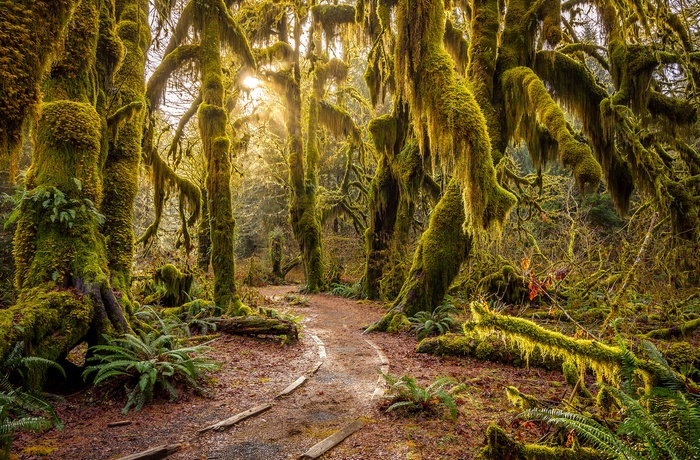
(332, 440)
(154, 453)
(237, 418)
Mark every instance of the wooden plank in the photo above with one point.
(119, 423)
(315, 369)
(332, 440)
(382, 357)
(296, 384)
(154, 453)
(237, 418)
(321, 347)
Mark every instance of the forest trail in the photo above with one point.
(335, 395)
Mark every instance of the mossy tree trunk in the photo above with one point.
(30, 31)
(213, 119)
(384, 206)
(303, 178)
(203, 239)
(441, 251)
(62, 276)
(121, 170)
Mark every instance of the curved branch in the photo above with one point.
(173, 61)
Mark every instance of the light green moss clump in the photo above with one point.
(521, 400)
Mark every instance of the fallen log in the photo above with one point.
(154, 453)
(257, 325)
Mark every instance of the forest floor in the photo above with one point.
(255, 370)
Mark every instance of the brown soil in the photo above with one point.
(255, 370)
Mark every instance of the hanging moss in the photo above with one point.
(446, 111)
(551, 21)
(578, 91)
(500, 446)
(456, 45)
(332, 16)
(530, 108)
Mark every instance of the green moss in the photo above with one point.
(120, 175)
(604, 360)
(484, 350)
(500, 446)
(531, 109)
(606, 401)
(398, 323)
(332, 16)
(521, 400)
(29, 34)
(680, 354)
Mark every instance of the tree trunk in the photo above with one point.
(62, 277)
(216, 144)
(437, 260)
(121, 170)
(303, 175)
(204, 240)
(384, 205)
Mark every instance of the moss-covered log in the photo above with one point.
(258, 325)
(490, 348)
(500, 447)
(606, 361)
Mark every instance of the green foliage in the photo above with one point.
(150, 360)
(19, 408)
(349, 291)
(406, 394)
(664, 423)
(437, 322)
(62, 210)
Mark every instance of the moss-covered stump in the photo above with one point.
(501, 447)
(258, 325)
(177, 284)
(490, 348)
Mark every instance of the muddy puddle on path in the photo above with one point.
(339, 392)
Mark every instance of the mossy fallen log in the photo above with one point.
(500, 447)
(490, 348)
(674, 331)
(258, 325)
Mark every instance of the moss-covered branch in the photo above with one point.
(530, 108)
(157, 84)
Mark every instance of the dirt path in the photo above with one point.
(338, 393)
(255, 370)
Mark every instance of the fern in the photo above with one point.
(662, 424)
(19, 408)
(407, 394)
(437, 322)
(149, 361)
